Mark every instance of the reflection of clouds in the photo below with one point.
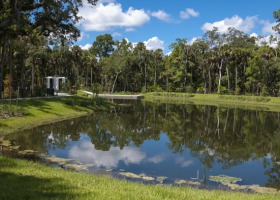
(87, 154)
(183, 162)
(157, 159)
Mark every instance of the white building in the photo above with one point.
(55, 82)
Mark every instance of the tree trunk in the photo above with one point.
(210, 79)
(32, 76)
(115, 81)
(155, 76)
(205, 82)
(167, 82)
(220, 76)
(185, 79)
(228, 79)
(218, 123)
(236, 74)
(145, 77)
(2, 63)
(86, 78)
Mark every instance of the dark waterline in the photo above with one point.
(187, 142)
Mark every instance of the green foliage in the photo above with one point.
(237, 90)
(223, 90)
(8, 88)
(155, 88)
(96, 88)
(190, 89)
(216, 62)
(200, 90)
(264, 91)
(144, 89)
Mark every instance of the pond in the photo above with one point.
(197, 145)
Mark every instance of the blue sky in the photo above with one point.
(159, 22)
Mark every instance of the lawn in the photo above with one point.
(241, 101)
(39, 111)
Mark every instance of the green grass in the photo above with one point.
(242, 101)
(46, 110)
(20, 179)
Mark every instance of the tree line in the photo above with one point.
(36, 41)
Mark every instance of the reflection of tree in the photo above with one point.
(212, 134)
(49, 137)
(228, 136)
(273, 172)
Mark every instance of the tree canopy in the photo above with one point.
(224, 63)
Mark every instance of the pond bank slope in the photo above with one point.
(20, 179)
(41, 111)
(236, 101)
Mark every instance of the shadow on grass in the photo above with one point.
(74, 102)
(19, 186)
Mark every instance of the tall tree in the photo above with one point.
(103, 46)
(52, 18)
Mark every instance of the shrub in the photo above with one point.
(155, 88)
(190, 89)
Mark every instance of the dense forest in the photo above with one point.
(36, 40)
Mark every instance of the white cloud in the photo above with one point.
(245, 25)
(265, 40)
(87, 153)
(81, 37)
(104, 17)
(183, 162)
(267, 27)
(161, 15)
(254, 35)
(156, 159)
(106, 1)
(193, 40)
(85, 47)
(129, 29)
(189, 12)
(116, 34)
(154, 43)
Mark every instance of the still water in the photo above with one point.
(165, 143)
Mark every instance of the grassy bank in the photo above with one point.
(20, 179)
(39, 111)
(242, 101)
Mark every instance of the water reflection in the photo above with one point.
(169, 140)
(87, 153)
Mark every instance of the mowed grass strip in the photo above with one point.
(46, 110)
(241, 101)
(21, 179)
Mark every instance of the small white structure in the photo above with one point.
(55, 82)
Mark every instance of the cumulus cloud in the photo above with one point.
(267, 27)
(86, 46)
(130, 29)
(106, 1)
(116, 34)
(188, 13)
(245, 25)
(161, 15)
(183, 162)
(265, 40)
(154, 43)
(108, 159)
(157, 159)
(103, 17)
